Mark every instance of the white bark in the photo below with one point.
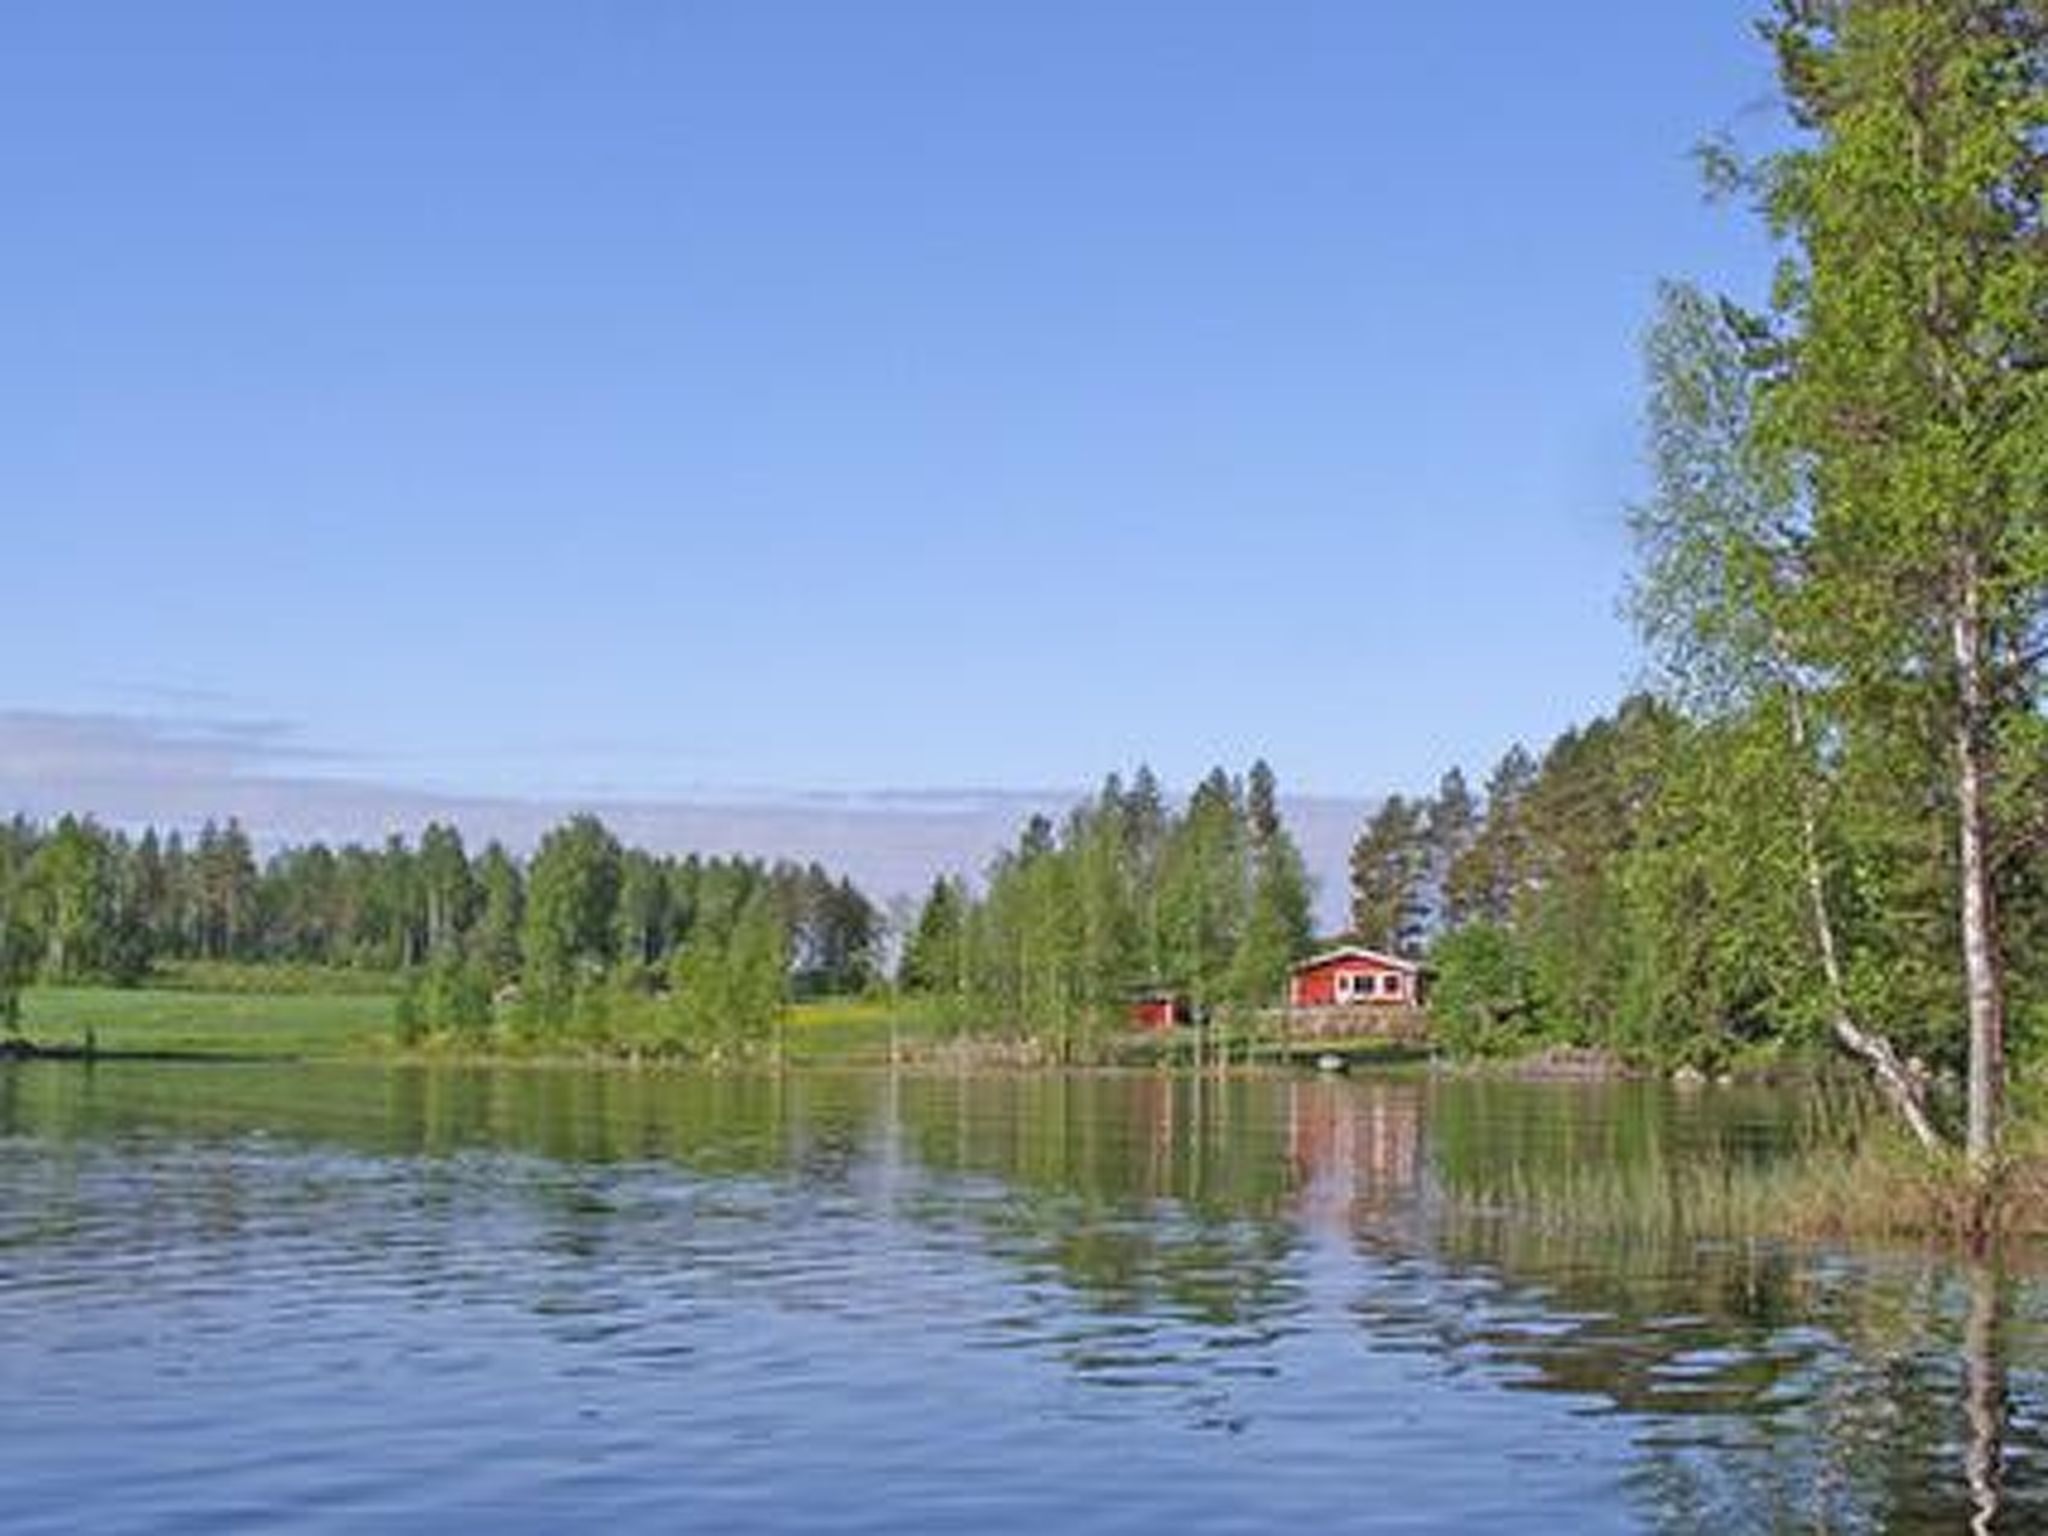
(1899, 1084)
(1983, 990)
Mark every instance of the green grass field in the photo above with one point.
(236, 1018)
(215, 1023)
(856, 1029)
(242, 1021)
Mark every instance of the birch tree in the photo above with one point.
(1909, 398)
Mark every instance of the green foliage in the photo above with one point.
(1389, 876)
(1482, 881)
(273, 978)
(1479, 995)
(448, 997)
(1122, 896)
(1845, 565)
(935, 953)
(1204, 891)
(1650, 897)
(729, 984)
(447, 888)
(1842, 581)
(495, 938)
(568, 937)
(1279, 920)
(17, 966)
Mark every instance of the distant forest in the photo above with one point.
(582, 925)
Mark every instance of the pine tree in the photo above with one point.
(1279, 922)
(1389, 869)
(934, 954)
(1482, 884)
(1451, 822)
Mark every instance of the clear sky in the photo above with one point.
(544, 398)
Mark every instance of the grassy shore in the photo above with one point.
(227, 1012)
(210, 1023)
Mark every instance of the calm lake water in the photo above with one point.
(344, 1299)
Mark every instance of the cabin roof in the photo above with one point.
(1355, 952)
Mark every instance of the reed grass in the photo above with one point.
(1879, 1186)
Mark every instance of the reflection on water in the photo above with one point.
(333, 1297)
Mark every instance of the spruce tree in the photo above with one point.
(1278, 927)
(1389, 869)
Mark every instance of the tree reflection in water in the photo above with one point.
(1984, 1394)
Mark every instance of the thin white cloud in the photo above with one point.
(132, 770)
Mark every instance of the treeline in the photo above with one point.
(1641, 887)
(1583, 898)
(1125, 895)
(585, 936)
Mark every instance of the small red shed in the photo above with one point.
(1353, 974)
(1159, 1010)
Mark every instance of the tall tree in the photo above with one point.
(446, 887)
(1912, 397)
(502, 914)
(71, 879)
(1451, 822)
(17, 939)
(1727, 546)
(1203, 890)
(1482, 883)
(1389, 870)
(934, 959)
(729, 981)
(1278, 926)
(571, 902)
(224, 883)
(1111, 944)
(643, 908)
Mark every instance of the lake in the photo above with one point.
(354, 1298)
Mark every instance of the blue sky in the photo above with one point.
(646, 398)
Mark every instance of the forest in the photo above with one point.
(585, 940)
(1210, 899)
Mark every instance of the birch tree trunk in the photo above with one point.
(1983, 984)
(1904, 1088)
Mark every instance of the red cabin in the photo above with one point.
(1159, 1010)
(1352, 974)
